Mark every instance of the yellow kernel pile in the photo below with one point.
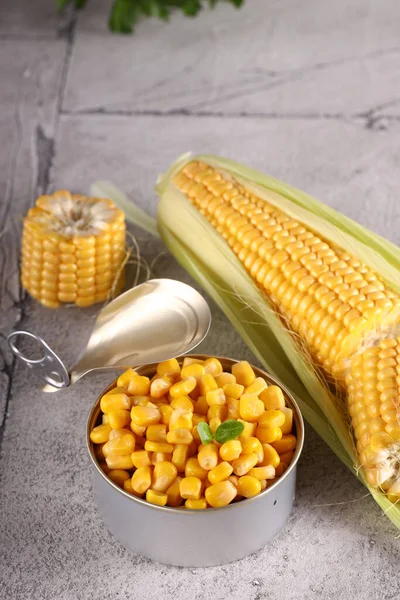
(148, 442)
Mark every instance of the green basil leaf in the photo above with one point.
(205, 432)
(228, 430)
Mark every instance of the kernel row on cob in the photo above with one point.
(149, 442)
(73, 248)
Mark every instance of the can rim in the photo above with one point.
(226, 361)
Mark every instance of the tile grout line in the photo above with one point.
(182, 112)
(43, 175)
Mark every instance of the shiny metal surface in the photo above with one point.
(50, 366)
(154, 321)
(196, 538)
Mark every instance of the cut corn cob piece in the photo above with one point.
(334, 302)
(73, 249)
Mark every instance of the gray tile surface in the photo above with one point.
(310, 95)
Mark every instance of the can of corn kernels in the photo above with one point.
(196, 538)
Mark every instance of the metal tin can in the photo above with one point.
(215, 536)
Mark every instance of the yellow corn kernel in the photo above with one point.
(264, 484)
(138, 385)
(193, 370)
(190, 488)
(166, 412)
(104, 419)
(112, 401)
(244, 373)
(273, 398)
(233, 479)
(124, 379)
(174, 497)
(250, 407)
(196, 419)
(216, 397)
(224, 379)
(285, 444)
(180, 457)
(183, 402)
(122, 445)
(280, 469)
(182, 388)
(141, 458)
(233, 407)
(138, 430)
(249, 429)
(181, 419)
(157, 457)
(220, 472)
(287, 457)
(288, 424)
(145, 415)
(213, 366)
(258, 385)
(160, 386)
(164, 474)
(127, 485)
(220, 494)
(114, 461)
(253, 444)
(158, 447)
(156, 498)
(201, 407)
(261, 473)
(141, 401)
(198, 504)
(118, 419)
(217, 411)
(271, 457)
(230, 450)
(156, 433)
(117, 433)
(99, 434)
(189, 360)
(118, 476)
(248, 486)
(268, 435)
(168, 367)
(244, 463)
(105, 449)
(272, 418)
(207, 384)
(179, 436)
(208, 456)
(141, 479)
(194, 469)
(233, 390)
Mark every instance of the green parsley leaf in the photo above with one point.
(228, 430)
(204, 432)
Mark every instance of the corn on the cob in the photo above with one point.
(342, 312)
(72, 249)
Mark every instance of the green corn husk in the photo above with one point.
(207, 257)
